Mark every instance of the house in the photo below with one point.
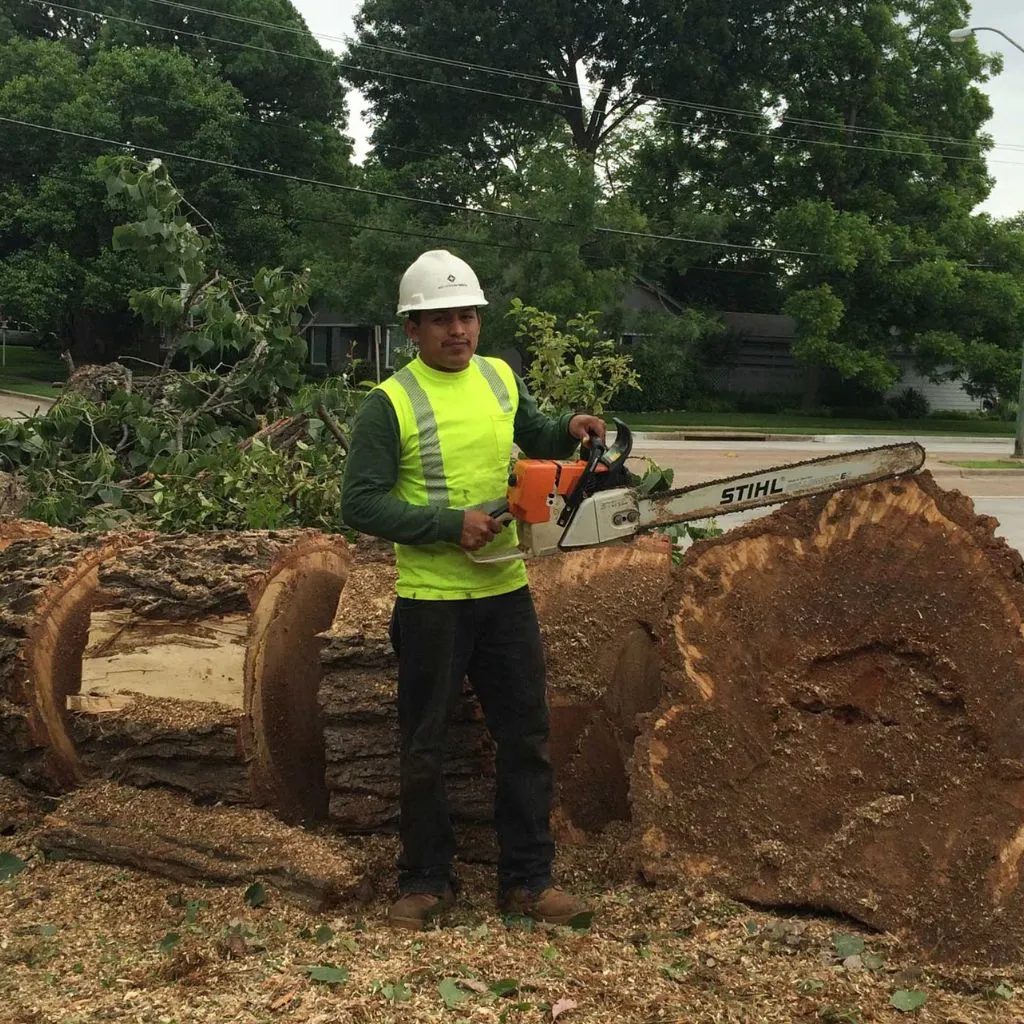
(336, 343)
(759, 360)
(762, 363)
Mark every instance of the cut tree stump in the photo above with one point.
(596, 611)
(160, 832)
(843, 722)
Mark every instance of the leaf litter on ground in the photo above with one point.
(106, 962)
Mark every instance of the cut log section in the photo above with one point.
(596, 610)
(173, 625)
(843, 724)
(123, 655)
(160, 832)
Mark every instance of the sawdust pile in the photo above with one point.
(83, 942)
(843, 722)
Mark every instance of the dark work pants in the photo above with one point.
(495, 641)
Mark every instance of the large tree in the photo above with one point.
(559, 70)
(858, 177)
(167, 84)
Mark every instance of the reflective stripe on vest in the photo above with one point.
(494, 381)
(426, 426)
(430, 442)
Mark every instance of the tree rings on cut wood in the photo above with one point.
(48, 582)
(599, 612)
(283, 730)
(843, 723)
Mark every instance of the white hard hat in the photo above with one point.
(439, 280)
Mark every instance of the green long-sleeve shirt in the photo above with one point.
(371, 471)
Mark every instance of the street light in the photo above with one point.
(961, 35)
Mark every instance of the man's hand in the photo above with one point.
(582, 425)
(478, 529)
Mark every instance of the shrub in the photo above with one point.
(909, 404)
(668, 378)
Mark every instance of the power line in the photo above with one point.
(331, 62)
(770, 137)
(543, 80)
(521, 218)
(849, 145)
(504, 214)
(363, 226)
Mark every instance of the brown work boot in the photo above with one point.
(415, 910)
(552, 905)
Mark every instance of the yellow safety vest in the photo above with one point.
(456, 433)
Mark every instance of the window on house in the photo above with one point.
(319, 346)
(395, 344)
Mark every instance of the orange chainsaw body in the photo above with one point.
(536, 484)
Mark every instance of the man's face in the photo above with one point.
(447, 338)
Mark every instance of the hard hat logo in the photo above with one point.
(439, 280)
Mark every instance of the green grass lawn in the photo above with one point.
(31, 371)
(778, 423)
(1010, 464)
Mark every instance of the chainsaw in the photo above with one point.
(562, 505)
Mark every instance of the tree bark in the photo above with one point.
(843, 722)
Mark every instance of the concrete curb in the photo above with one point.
(700, 434)
(30, 397)
(922, 439)
(946, 469)
(714, 435)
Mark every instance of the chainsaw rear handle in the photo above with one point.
(605, 468)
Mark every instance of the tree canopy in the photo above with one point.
(180, 93)
(825, 161)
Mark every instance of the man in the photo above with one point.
(429, 446)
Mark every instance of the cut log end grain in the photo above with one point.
(283, 730)
(843, 723)
(49, 583)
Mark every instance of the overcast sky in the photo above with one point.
(334, 18)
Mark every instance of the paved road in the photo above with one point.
(997, 493)
(15, 406)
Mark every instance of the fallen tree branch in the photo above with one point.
(333, 427)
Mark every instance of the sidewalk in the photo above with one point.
(14, 405)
